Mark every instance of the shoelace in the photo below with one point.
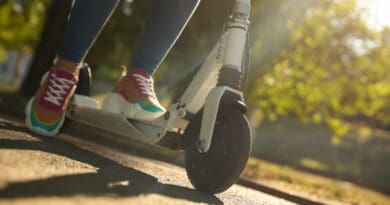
(146, 85)
(57, 89)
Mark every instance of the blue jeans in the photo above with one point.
(164, 25)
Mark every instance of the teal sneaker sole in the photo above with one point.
(35, 126)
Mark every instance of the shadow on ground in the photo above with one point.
(93, 184)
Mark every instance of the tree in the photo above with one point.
(333, 68)
(49, 43)
(20, 25)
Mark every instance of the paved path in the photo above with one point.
(71, 170)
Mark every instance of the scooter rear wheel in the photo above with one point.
(218, 169)
(85, 81)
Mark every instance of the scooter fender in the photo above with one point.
(210, 111)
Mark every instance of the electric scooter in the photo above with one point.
(208, 122)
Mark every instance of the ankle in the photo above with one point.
(67, 65)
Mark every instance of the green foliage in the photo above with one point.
(3, 54)
(335, 67)
(21, 24)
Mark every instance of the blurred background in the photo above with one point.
(318, 90)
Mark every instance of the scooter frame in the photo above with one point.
(212, 81)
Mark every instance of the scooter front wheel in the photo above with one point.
(218, 169)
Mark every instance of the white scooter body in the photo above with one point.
(202, 92)
(205, 91)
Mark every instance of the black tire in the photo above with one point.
(85, 81)
(218, 169)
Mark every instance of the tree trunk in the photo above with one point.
(49, 43)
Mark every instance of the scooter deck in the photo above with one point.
(120, 124)
(112, 122)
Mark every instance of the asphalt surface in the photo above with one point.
(73, 169)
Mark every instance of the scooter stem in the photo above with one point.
(237, 27)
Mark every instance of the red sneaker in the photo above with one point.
(134, 96)
(45, 112)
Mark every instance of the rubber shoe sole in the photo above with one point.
(115, 103)
(38, 128)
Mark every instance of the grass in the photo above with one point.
(301, 158)
(316, 187)
(362, 160)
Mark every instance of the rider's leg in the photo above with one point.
(45, 111)
(163, 27)
(86, 21)
(135, 95)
